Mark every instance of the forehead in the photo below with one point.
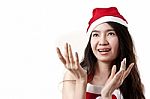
(103, 27)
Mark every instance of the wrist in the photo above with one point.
(106, 98)
(106, 95)
(81, 81)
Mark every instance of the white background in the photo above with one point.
(30, 30)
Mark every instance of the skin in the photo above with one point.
(103, 36)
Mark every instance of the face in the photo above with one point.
(104, 43)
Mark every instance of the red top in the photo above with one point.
(93, 92)
(94, 96)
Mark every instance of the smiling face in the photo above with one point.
(104, 43)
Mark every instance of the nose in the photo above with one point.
(103, 41)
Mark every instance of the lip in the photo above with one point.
(104, 48)
(104, 51)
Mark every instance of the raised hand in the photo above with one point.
(116, 79)
(71, 63)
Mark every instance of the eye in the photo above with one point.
(111, 33)
(95, 35)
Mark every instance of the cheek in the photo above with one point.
(92, 46)
(92, 42)
(115, 44)
(116, 47)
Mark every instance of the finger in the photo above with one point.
(75, 70)
(119, 77)
(60, 56)
(128, 70)
(123, 64)
(71, 59)
(119, 73)
(113, 71)
(115, 82)
(76, 65)
(76, 60)
(67, 56)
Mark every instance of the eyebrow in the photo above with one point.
(105, 31)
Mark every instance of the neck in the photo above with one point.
(102, 73)
(103, 68)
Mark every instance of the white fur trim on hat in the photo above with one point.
(105, 19)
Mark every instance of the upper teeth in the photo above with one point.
(104, 50)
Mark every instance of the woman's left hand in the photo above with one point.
(116, 79)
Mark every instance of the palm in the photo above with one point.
(72, 63)
(116, 79)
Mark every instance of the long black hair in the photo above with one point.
(132, 87)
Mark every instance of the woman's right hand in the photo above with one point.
(72, 64)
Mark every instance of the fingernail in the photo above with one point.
(132, 64)
(57, 48)
(75, 53)
(124, 60)
(122, 81)
(66, 45)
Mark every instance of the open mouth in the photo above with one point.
(104, 50)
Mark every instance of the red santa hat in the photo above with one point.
(101, 15)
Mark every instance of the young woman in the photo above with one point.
(108, 69)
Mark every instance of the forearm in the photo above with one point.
(106, 94)
(106, 97)
(80, 90)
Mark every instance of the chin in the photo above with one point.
(105, 59)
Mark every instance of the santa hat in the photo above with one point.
(101, 15)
